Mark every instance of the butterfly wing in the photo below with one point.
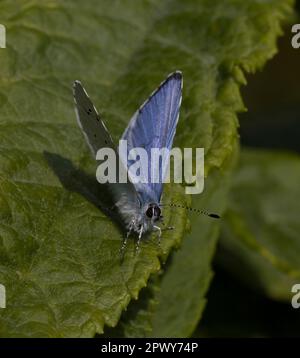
(154, 126)
(93, 128)
(97, 136)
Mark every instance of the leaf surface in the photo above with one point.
(59, 252)
(260, 242)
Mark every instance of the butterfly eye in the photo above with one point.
(157, 211)
(153, 210)
(149, 212)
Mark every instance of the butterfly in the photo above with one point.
(152, 126)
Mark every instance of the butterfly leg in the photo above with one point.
(137, 248)
(125, 239)
(157, 228)
(123, 247)
(130, 228)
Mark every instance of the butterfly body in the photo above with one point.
(152, 126)
(139, 219)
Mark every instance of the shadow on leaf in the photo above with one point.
(76, 180)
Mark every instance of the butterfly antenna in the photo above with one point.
(203, 212)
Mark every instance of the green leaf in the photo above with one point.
(136, 321)
(181, 298)
(260, 242)
(59, 252)
(60, 263)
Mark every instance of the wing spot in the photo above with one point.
(89, 111)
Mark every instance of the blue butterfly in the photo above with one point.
(152, 126)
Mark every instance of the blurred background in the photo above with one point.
(272, 97)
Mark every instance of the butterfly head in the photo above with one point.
(153, 212)
(150, 213)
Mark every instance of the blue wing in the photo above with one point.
(154, 126)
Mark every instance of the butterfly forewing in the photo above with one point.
(124, 195)
(89, 120)
(154, 126)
